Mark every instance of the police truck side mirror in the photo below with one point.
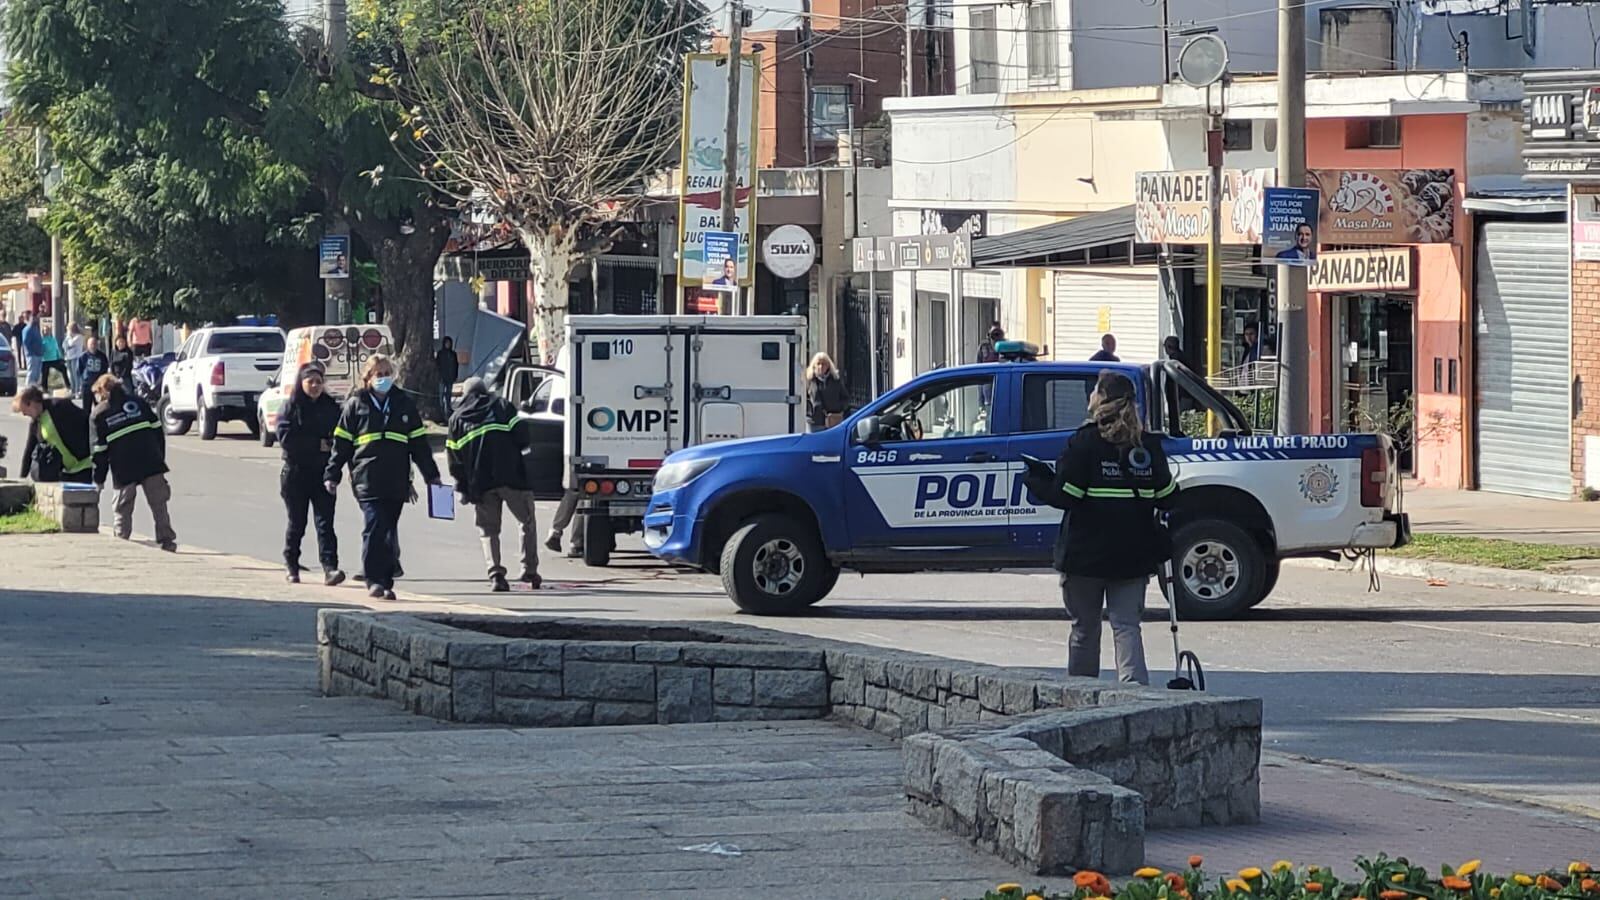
(272, 382)
(868, 430)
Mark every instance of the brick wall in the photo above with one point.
(1585, 356)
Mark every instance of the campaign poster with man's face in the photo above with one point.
(721, 270)
(1289, 225)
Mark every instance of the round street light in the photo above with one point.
(1203, 61)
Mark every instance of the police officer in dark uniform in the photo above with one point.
(485, 447)
(1111, 478)
(305, 432)
(380, 435)
(130, 445)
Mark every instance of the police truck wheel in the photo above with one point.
(774, 566)
(1269, 579)
(253, 425)
(598, 540)
(1219, 570)
(267, 436)
(171, 422)
(208, 423)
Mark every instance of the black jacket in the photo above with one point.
(1111, 497)
(122, 364)
(379, 443)
(128, 440)
(485, 446)
(67, 455)
(449, 366)
(305, 432)
(823, 396)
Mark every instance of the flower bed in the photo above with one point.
(1381, 878)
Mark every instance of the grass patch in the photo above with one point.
(29, 521)
(1476, 551)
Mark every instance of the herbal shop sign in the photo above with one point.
(1387, 269)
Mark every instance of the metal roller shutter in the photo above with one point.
(1524, 366)
(1131, 301)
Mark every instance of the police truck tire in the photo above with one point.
(598, 539)
(267, 435)
(208, 422)
(173, 423)
(774, 566)
(253, 424)
(1269, 579)
(1219, 569)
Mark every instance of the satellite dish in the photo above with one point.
(1203, 61)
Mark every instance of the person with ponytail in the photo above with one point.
(1111, 479)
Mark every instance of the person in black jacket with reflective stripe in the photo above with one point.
(485, 447)
(305, 432)
(1111, 479)
(130, 445)
(380, 435)
(58, 447)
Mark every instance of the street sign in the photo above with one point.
(789, 251)
(908, 253)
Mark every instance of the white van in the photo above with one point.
(341, 349)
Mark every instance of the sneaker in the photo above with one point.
(376, 592)
(575, 553)
(388, 595)
(170, 547)
(528, 576)
(333, 577)
(293, 576)
(553, 543)
(499, 585)
(533, 580)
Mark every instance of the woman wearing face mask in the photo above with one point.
(380, 435)
(305, 432)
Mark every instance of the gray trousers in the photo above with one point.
(565, 513)
(486, 515)
(156, 493)
(1123, 601)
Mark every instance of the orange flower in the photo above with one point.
(1085, 878)
(1548, 883)
(1195, 861)
(1589, 884)
(1176, 880)
(1456, 883)
(1393, 895)
(1313, 887)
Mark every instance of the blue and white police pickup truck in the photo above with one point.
(929, 477)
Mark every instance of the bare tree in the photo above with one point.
(551, 117)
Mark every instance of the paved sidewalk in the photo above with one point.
(160, 734)
(1503, 516)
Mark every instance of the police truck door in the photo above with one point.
(1053, 406)
(937, 482)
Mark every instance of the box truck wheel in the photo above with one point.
(598, 539)
(1219, 570)
(774, 566)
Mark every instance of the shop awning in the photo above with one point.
(1058, 243)
(1515, 196)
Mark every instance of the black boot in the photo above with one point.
(332, 577)
(293, 575)
(498, 584)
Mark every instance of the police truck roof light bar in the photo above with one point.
(1017, 351)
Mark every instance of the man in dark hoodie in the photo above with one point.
(130, 445)
(485, 454)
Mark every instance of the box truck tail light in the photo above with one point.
(219, 374)
(1374, 476)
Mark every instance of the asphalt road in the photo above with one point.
(1498, 690)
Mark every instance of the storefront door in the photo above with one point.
(1375, 378)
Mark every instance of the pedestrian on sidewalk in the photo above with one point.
(485, 447)
(305, 432)
(449, 366)
(122, 360)
(130, 444)
(1111, 478)
(566, 513)
(380, 436)
(140, 336)
(58, 437)
(1107, 351)
(32, 344)
(72, 351)
(50, 355)
(826, 397)
(91, 365)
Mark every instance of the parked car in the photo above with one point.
(218, 376)
(8, 371)
(341, 349)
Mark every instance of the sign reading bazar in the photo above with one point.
(1383, 269)
(1175, 207)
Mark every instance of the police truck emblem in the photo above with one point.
(1319, 483)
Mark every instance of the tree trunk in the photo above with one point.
(405, 276)
(554, 250)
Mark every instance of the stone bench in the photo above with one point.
(74, 507)
(1049, 772)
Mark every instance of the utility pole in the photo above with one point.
(336, 39)
(44, 163)
(1294, 346)
(1214, 260)
(905, 87)
(808, 70)
(730, 144)
(1166, 44)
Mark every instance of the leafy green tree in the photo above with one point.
(24, 246)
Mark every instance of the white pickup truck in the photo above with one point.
(219, 374)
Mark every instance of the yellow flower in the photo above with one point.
(1397, 877)
(1248, 874)
(1033, 897)
(1467, 868)
(1522, 879)
(1010, 887)
(1282, 865)
(1494, 892)
(1235, 884)
(1312, 870)
(1148, 872)
(1578, 868)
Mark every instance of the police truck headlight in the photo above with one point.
(677, 474)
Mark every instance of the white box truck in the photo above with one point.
(640, 387)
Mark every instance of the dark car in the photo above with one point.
(8, 371)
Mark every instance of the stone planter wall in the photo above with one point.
(1048, 772)
(76, 511)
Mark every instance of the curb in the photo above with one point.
(1478, 576)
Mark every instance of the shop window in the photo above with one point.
(1042, 41)
(983, 47)
(1238, 135)
(1372, 133)
(830, 110)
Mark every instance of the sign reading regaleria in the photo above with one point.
(1386, 269)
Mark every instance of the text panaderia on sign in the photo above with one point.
(1389, 269)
